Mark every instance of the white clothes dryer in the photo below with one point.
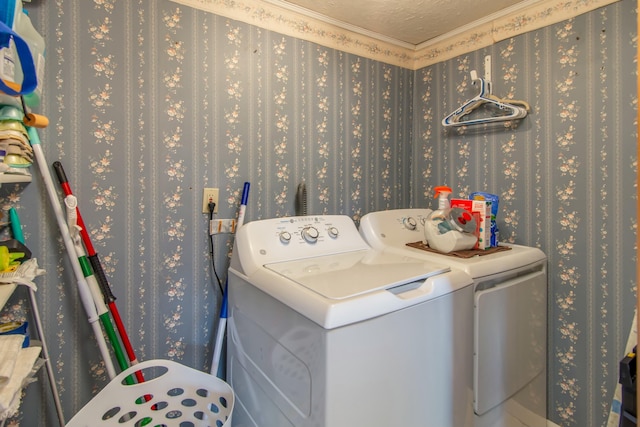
(510, 318)
(324, 331)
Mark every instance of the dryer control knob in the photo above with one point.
(410, 223)
(310, 234)
(333, 232)
(285, 236)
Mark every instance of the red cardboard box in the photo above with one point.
(481, 211)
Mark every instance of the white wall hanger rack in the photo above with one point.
(499, 109)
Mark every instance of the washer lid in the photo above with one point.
(355, 273)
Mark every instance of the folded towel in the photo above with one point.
(24, 275)
(10, 346)
(10, 391)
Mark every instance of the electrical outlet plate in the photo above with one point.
(209, 194)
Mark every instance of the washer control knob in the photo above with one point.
(285, 236)
(310, 234)
(410, 223)
(333, 232)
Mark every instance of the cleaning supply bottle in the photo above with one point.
(25, 29)
(445, 232)
(8, 54)
(21, 55)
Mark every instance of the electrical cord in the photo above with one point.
(212, 207)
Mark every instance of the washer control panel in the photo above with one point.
(393, 227)
(290, 238)
(310, 230)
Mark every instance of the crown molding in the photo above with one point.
(291, 20)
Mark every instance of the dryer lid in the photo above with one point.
(356, 273)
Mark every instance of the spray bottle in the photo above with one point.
(447, 230)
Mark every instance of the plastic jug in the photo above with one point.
(25, 29)
(21, 56)
(445, 232)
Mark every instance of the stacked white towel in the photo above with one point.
(16, 367)
(10, 346)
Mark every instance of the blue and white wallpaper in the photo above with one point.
(150, 101)
(566, 179)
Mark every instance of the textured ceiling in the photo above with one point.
(408, 21)
(407, 33)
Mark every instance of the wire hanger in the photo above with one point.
(503, 109)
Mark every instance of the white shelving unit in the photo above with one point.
(6, 290)
(12, 178)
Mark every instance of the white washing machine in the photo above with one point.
(510, 318)
(324, 331)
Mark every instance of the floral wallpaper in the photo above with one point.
(565, 175)
(150, 101)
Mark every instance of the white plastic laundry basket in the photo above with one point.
(173, 395)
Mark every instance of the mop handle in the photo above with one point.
(243, 204)
(98, 272)
(83, 287)
(97, 267)
(71, 202)
(222, 321)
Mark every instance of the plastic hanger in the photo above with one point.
(508, 109)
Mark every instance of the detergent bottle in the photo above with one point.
(25, 29)
(447, 230)
(21, 55)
